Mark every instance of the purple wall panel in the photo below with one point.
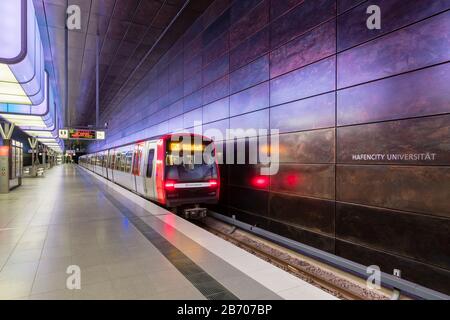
(250, 49)
(216, 49)
(311, 80)
(193, 65)
(192, 118)
(417, 46)
(313, 113)
(216, 29)
(176, 109)
(250, 100)
(397, 97)
(313, 46)
(344, 5)
(279, 7)
(193, 84)
(301, 19)
(193, 101)
(250, 75)
(352, 29)
(249, 24)
(215, 70)
(240, 8)
(216, 90)
(255, 120)
(219, 109)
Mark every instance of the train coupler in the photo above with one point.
(195, 213)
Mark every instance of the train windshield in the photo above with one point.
(190, 162)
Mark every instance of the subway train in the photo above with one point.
(178, 171)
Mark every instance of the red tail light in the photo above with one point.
(213, 183)
(169, 185)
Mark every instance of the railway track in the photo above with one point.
(333, 282)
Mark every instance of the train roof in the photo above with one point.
(155, 138)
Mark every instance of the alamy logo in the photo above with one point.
(73, 21)
(74, 280)
(262, 146)
(374, 280)
(374, 20)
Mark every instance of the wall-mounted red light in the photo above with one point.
(292, 180)
(260, 181)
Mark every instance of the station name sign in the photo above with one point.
(81, 134)
(395, 157)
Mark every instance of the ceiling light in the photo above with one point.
(21, 54)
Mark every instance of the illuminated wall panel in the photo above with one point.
(21, 54)
(391, 98)
(398, 52)
(252, 99)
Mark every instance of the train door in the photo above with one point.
(98, 163)
(123, 173)
(138, 159)
(136, 164)
(120, 167)
(104, 163)
(129, 181)
(107, 159)
(112, 163)
(94, 162)
(148, 170)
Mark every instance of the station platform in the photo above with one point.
(125, 247)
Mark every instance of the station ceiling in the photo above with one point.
(127, 30)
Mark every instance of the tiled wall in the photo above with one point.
(334, 89)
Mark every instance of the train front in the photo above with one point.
(191, 174)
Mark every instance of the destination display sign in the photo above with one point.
(81, 134)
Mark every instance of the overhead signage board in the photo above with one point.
(81, 134)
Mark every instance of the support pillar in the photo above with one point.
(33, 144)
(6, 131)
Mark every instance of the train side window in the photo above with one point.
(151, 156)
(118, 161)
(129, 159)
(123, 162)
(111, 160)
